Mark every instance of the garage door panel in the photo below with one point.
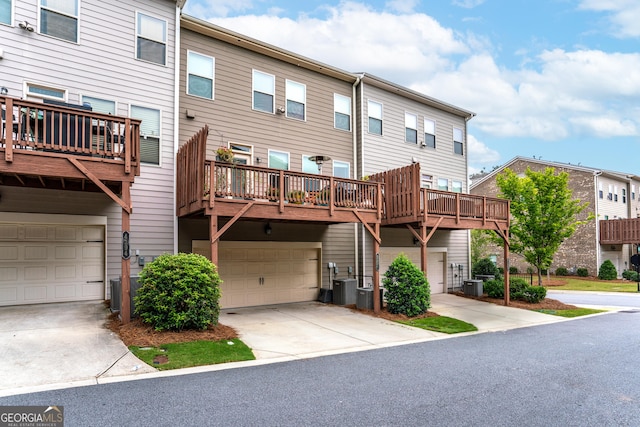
(435, 264)
(37, 267)
(274, 275)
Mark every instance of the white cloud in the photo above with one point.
(401, 6)
(203, 9)
(480, 154)
(623, 17)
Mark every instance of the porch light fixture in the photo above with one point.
(26, 26)
(319, 160)
(4, 90)
(267, 229)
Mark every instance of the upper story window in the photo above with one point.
(342, 112)
(59, 18)
(341, 169)
(426, 181)
(44, 92)
(200, 71)
(458, 145)
(615, 193)
(600, 192)
(296, 100)
(151, 39)
(610, 195)
(456, 186)
(411, 128)
(278, 160)
(633, 191)
(149, 132)
(624, 195)
(99, 105)
(375, 117)
(429, 133)
(443, 184)
(264, 88)
(6, 10)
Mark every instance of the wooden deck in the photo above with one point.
(406, 203)
(620, 231)
(61, 147)
(271, 194)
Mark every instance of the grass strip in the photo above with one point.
(196, 353)
(444, 324)
(576, 312)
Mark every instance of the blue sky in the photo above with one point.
(556, 79)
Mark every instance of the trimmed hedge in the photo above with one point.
(179, 292)
(630, 275)
(407, 290)
(519, 289)
(582, 272)
(607, 271)
(562, 271)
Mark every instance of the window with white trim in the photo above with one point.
(456, 186)
(411, 128)
(278, 160)
(296, 94)
(443, 184)
(600, 191)
(99, 105)
(59, 19)
(426, 181)
(341, 112)
(633, 191)
(149, 133)
(429, 133)
(610, 195)
(458, 144)
(624, 195)
(264, 88)
(200, 72)
(38, 91)
(615, 193)
(341, 169)
(151, 39)
(375, 117)
(6, 11)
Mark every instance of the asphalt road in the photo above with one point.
(607, 299)
(577, 373)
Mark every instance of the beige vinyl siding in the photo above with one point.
(230, 115)
(103, 65)
(339, 246)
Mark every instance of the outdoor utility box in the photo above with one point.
(116, 292)
(473, 288)
(364, 298)
(344, 291)
(115, 295)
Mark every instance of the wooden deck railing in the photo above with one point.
(620, 231)
(197, 177)
(66, 129)
(406, 202)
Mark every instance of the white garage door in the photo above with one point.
(435, 264)
(263, 273)
(42, 263)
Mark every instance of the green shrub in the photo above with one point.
(607, 271)
(562, 271)
(582, 272)
(513, 270)
(530, 270)
(485, 266)
(407, 290)
(532, 294)
(494, 288)
(517, 284)
(179, 292)
(630, 275)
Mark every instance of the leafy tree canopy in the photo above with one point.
(543, 213)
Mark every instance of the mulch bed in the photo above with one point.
(142, 335)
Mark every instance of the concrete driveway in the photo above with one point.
(56, 345)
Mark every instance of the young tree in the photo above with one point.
(543, 213)
(480, 240)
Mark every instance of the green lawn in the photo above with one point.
(196, 353)
(571, 313)
(447, 325)
(574, 284)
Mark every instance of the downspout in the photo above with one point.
(466, 160)
(597, 217)
(176, 122)
(357, 173)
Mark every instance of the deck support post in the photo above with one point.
(125, 285)
(213, 239)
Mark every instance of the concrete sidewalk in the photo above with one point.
(61, 345)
